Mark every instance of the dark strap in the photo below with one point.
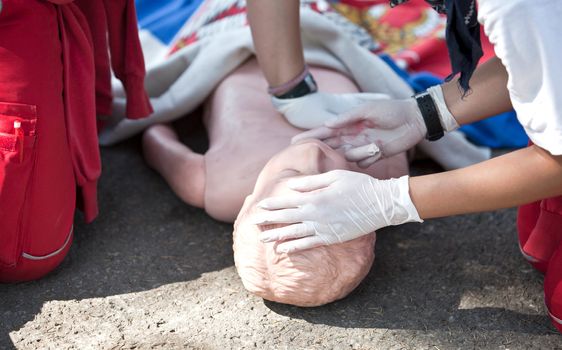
(438, 5)
(430, 116)
(305, 87)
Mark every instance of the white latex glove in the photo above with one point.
(334, 207)
(380, 129)
(312, 110)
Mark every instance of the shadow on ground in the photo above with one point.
(451, 279)
(424, 283)
(144, 238)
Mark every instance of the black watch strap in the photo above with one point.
(305, 87)
(430, 116)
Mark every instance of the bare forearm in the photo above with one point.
(489, 95)
(516, 178)
(276, 31)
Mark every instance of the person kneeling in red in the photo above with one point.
(54, 78)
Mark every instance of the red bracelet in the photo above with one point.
(283, 88)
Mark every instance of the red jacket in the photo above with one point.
(88, 29)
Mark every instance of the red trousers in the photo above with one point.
(54, 75)
(38, 177)
(540, 239)
(37, 184)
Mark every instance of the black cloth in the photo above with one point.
(438, 5)
(462, 36)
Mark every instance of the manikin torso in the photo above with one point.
(245, 132)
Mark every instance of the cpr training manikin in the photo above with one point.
(239, 116)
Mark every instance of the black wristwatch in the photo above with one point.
(430, 116)
(305, 87)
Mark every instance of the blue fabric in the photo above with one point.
(501, 131)
(164, 18)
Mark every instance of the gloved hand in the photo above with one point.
(335, 207)
(312, 110)
(380, 129)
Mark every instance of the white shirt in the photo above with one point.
(526, 37)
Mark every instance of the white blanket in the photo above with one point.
(179, 83)
(216, 44)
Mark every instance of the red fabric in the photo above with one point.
(113, 24)
(97, 23)
(53, 74)
(408, 33)
(38, 189)
(79, 104)
(362, 3)
(126, 54)
(427, 54)
(553, 287)
(85, 28)
(540, 239)
(527, 217)
(544, 239)
(28, 270)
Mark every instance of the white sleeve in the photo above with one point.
(526, 37)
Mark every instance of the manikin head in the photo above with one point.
(309, 278)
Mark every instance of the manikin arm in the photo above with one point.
(276, 32)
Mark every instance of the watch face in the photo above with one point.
(311, 83)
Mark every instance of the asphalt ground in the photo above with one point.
(154, 273)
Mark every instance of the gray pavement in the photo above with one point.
(154, 273)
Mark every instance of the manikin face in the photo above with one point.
(309, 278)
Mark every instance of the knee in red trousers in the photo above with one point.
(54, 61)
(31, 267)
(37, 183)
